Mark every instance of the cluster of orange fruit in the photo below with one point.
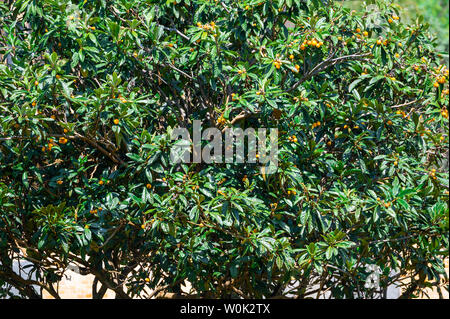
(401, 112)
(390, 20)
(273, 206)
(293, 139)
(62, 140)
(425, 131)
(49, 145)
(440, 80)
(358, 30)
(292, 43)
(208, 26)
(234, 96)
(95, 211)
(242, 71)
(122, 99)
(149, 186)
(72, 17)
(221, 120)
(313, 43)
(223, 180)
(396, 159)
(277, 63)
(382, 42)
(433, 173)
(303, 99)
(316, 124)
(289, 192)
(441, 74)
(442, 69)
(444, 112)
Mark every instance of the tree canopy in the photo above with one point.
(90, 91)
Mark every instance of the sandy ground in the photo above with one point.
(76, 286)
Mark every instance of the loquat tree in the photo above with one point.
(90, 91)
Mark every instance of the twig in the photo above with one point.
(326, 64)
(225, 7)
(159, 289)
(406, 104)
(93, 143)
(240, 116)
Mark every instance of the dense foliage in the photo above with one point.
(434, 12)
(90, 90)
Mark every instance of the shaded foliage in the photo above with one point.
(90, 90)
